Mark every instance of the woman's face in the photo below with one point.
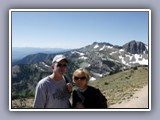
(80, 80)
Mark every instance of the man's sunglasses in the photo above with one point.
(61, 65)
(79, 78)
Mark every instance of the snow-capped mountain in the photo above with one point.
(98, 58)
(130, 54)
(103, 58)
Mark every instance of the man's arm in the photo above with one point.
(40, 97)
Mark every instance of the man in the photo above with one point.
(53, 91)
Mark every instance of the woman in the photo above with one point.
(86, 96)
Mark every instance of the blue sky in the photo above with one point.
(77, 29)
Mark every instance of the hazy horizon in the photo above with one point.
(70, 48)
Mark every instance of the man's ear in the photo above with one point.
(52, 66)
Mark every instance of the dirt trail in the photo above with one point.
(139, 100)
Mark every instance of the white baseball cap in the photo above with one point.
(58, 58)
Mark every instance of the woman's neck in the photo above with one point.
(83, 89)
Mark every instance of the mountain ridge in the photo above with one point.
(137, 48)
(100, 59)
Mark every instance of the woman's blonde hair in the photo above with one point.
(81, 71)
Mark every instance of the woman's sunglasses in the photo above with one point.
(79, 78)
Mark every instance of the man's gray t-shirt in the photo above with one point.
(51, 93)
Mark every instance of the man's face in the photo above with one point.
(60, 67)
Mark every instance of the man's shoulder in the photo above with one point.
(44, 80)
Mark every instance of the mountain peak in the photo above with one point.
(101, 43)
(135, 47)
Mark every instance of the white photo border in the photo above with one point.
(80, 10)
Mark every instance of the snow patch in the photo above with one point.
(112, 53)
(146, 47)
(122, 58)
(140, 60)
(96, 46)
(39, 68)
(121, 50)
(109, 47)
(45, 64)
(102, 48)
(83, 57)
(81, 54)
(130, 57)
(92, 79)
